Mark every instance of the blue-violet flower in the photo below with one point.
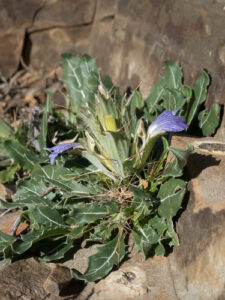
(56, 150)
(167, 122)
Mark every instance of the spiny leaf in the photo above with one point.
(199, 93)
(6, 131)
(172, 80)
(100, 264)
(171, 195)
(209, 120)
(145, 237)
(19, 247)
(58, 252)
(175, 168)
(88, 214)
(171, 233)
(173, 99)
(81, 77)
(21, 154)
(44, 123)
(6, 240)
(46, 215)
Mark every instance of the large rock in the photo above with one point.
(60, 26)
(15, 18)
(197, 266)
(133, 44)
(28, 279)
(130, 41)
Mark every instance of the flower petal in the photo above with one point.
(56, 150)
(167, 122)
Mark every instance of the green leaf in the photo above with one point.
(7, 175)
(102, 232)
(175, 168)
(81, 77)
(89, 214)
(6, 240)
(77, 232)
(46, 215)
(44, 123)
(159, 224)
(171, 233)
(136, 101)
(31, 236)
(53, 174)
(100, 264)
(209, 120)
(6, 131)
(171, 80)
(141, 202)
(29, 193)
(19, 247)
(58, 252)
(23, 156)
(199, 95)
(42, 234)
(145, 237)
(160, 250)
(173, 99)
(171, 196)
(96, 162)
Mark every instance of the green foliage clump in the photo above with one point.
(119, 183)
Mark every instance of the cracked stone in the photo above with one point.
(65, 13)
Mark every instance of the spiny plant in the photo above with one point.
(116, 181)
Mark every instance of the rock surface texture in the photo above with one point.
(131, 40)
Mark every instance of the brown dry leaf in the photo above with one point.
(29, 98)
(143, 183)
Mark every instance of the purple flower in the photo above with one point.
(166, 121)
(59, 149)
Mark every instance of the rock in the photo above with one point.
(57, 281)
(131, 42)
(56, 41)
(23, 279)
(15, 18)
(196, 266)
(63, 14)
(29, 279)
(60, 27)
